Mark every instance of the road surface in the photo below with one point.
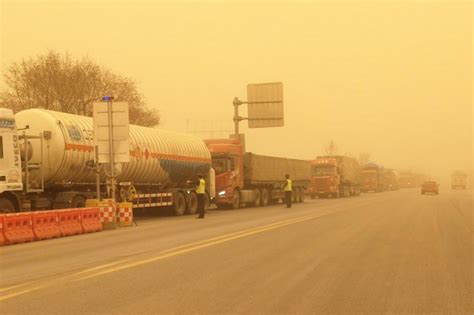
(392, 252)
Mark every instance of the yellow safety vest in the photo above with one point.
(289, 185)
(201, 189)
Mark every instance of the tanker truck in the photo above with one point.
(372, 178)
(47, 162)
(244, 178)
(335, 176)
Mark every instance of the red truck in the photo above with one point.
(251, 179)
(372, 178)
(335, 176)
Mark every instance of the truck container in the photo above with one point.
(459, 180)
(372, 178)
(57, 164)
(335, 176)
(251, 179)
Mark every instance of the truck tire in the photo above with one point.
(207, 202)
(258, 198)
(179, 204)
(301, 196)
(192, 203)
(236, 200)
(6, 206)
(265, 197)
(78, 202)
(295, 194)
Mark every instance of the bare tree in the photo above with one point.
(59, 82)
(331, 148)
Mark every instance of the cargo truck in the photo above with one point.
(244, 178)
(458, 180)
(391, 179)
(47, 162)
(335, 176)
(372, 178)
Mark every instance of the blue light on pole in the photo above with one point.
(107, 98)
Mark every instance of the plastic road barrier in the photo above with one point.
(18, 228)
(90, 220)
(125, 214)
(2, 237)
(45, 225)
(70, 222)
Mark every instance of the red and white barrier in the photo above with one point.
(125, 214)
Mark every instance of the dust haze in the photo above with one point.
(390, 79)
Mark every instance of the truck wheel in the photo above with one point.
(294, 195)
(236, 200)
(179, 204)
(192, 203)
(301, 198)
(6, 206)
(78, 202)
(265, 197)
(207, 202)
(258, 198)
(342, 192)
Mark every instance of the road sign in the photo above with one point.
(265, 105)
(119, 131)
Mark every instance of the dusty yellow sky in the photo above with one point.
(390, 78)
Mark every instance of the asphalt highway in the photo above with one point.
(394, 252)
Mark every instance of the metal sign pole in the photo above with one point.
(237, 119)
(111, 150)
(97, 172)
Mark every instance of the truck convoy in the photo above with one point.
(251, 179)
(335, 176)
(372, 178)
(46, 158)
(458, 180)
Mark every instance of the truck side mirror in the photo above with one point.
(47, 135)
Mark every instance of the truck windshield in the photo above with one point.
(219, 165)
(323, 170)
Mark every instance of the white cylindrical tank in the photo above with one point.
(156, 155)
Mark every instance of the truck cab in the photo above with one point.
(10, 162)
(325, 179)
(372, 178)
(227, 161)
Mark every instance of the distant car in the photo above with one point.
(430, 186)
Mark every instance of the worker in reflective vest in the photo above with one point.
(288, 190)
(200, 191)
